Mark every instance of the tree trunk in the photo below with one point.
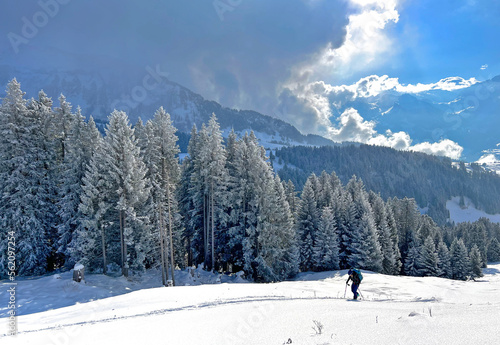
(103, 241)
(205, 231)
(164, 272)
(213, 225)
(172, 261)
(123, 243)
(121, 239)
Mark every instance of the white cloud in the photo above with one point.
(352, 127)
(483, 67)
(365, 38)
(444, 147)
(374, 85)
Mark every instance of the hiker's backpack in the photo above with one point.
(358, 272)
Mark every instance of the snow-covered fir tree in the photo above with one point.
(478, 236)
(429, 258)
(364, 248)
(91, 243)
(115, 201)
(476, 262)
(428, 228)
(307, 224)
(207, 190)
(407, 217)
(460, 263)
(386, 236)
(130, 199)
(26, 199)
(412, 262)
(275, 256)
(326, 249)
(80, 145)
(494, 250)
(191, 216)
(159, 152)
(444, 263)
(291, 197)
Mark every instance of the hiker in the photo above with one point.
(355, 276)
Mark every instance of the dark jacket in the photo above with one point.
(355, 278)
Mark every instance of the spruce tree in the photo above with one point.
(326, 249)
(127, 173)
(210, 166)
(476, 262)
(115, 205)
(92, 242)
(444, 264)
(460, 263)
(407, 217)
(412, 262)
(232, 250)
(80, 145)
(307, 225)
(25, 203)
(385, 235)
(364, 249)
(494, 250)
(394, 235)
(192, 217)
(160, 151)
(429, 258)
(479, 237)
(277, 255)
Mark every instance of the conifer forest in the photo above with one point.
(126, 201)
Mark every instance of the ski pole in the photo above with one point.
(345, 289)
(360, 293)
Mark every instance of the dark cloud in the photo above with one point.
(233, 51)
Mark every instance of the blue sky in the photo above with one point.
(446, 38)
(278, 57)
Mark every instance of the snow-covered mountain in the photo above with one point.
(141, 93)
(467, 113)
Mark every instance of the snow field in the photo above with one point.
(396, 310)
(469, 213)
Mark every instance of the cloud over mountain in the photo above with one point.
(352, 127)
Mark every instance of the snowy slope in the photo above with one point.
(396, 310)
(491, 159)
(469, 213)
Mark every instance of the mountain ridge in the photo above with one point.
(92, 93)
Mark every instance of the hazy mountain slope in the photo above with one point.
(99, 94)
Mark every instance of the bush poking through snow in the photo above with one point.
(318, 327)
